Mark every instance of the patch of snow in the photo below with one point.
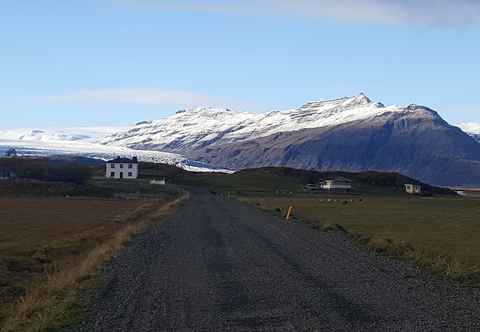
(470, 127)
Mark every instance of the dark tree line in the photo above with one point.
(43, 170)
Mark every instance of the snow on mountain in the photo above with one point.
(84, 134)
(200, 127)
(471, 128)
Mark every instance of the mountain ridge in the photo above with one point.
(205, 125)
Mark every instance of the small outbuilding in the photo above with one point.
(159, 182)
(122, 168)
(413, 189)
(337, 184)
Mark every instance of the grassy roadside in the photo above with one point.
(439, 234)
(48, 303)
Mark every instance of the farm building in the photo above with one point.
(339, 183)
(122, 168)
(160, 182)
(336, 184)
(413, 189)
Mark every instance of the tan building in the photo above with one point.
(413, 189)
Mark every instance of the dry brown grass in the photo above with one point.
(46, 302)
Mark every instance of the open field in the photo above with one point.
(40, 235)
(53, 242)
(442, 233)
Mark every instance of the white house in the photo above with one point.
(413, 189)
(338, 183)
(122, 168)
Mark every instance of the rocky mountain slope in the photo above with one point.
(351, 134)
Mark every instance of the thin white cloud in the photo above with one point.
(427, 12)
(146, 96)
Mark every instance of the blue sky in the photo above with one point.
(116, 62)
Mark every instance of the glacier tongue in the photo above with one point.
(52, 142)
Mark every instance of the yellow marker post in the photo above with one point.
(289, 213)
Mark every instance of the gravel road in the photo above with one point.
(218, 265)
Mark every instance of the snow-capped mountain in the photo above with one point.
(350, 133)
(201, 127)
(471, 128)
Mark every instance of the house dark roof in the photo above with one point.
(120, 160)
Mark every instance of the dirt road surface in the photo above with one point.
(218, 265)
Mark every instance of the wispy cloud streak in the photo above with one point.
(425, 12)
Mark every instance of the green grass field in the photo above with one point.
(439, 232)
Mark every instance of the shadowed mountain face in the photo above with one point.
(418, 144)
(350, 134)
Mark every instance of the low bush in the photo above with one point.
(44, 170)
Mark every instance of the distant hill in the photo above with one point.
(270, 179)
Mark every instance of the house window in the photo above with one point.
(130, 165)
(121, 165)
(112, 165)
(112, 174)
(129, 174)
